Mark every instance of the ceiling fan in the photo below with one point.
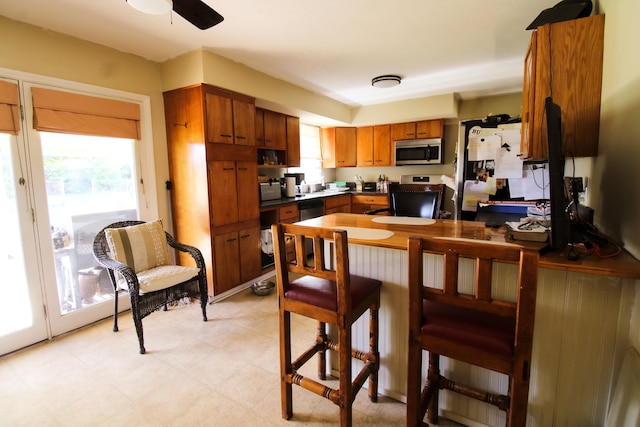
(195, 11)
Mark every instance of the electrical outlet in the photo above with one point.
(572, 184)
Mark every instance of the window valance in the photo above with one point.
(66, 112)
(9, 100)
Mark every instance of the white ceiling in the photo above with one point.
(331, 47)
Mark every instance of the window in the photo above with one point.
(310, 155)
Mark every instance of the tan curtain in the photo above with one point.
(9, 118)
(65, 112)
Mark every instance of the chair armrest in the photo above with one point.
(124, 270)
(191, 250)
(377, 211)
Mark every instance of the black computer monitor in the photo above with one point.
(560, 221)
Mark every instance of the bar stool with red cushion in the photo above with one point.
(309, 287)
(474, 328)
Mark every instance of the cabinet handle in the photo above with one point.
(242, 169)
(225, 135)
(232, 239)
(245, 236)
(227, 169)
(241, 137)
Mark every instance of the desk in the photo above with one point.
(581, 331)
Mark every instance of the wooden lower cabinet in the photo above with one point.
(337, 204)
(237, 258)
(362, 203)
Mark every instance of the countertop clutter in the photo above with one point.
(316, 195)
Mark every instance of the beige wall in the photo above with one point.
(616, 198)
(32, 50)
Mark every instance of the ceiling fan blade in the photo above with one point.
(198, 13)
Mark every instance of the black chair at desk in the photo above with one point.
(414, 200)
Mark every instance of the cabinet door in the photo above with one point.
(259, 127)
(430, 129)
(337, 204)
(248, 203)
(364, 146)
(568, 67)
(275, 130)
(227, 262)
(345, 147)
(243, 122)
(382, 146)
(250, 264)
(219, 114)
(223, 192)
(293, 141)
(328, 143)
(400, 131)
(528, 98)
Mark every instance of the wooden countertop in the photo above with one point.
(622, 265)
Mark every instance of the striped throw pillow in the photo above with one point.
(141, 247)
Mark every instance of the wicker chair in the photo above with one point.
(153, 288)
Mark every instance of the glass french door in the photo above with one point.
(88, 182)
(58, 190)
(22, 316)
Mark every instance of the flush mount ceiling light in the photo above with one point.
(388, 80)
(152, 7)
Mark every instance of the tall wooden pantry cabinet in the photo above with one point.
(214, 176)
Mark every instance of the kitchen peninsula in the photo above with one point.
(582, 316)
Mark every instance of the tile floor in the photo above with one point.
(224, 372)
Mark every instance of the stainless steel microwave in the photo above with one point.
(418, 152)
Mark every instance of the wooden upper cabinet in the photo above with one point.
(259, 127)
(219, 119)
(228, 120)
(275, 130)
(374, 145)
(423, 129)
(339, 147)
(430, 129)
(400, 131)
(243, 122)
(293, 141)
(564, 62)
(528, 98)
(364, 146)
(382, 146)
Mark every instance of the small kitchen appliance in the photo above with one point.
(270, 191)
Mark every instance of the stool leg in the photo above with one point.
(519, 398)
(286, 369)
(322, 355)
(433, 377)
(346, 385)
(373, 349)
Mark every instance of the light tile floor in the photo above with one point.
(224, 372)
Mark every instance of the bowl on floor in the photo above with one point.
(263, 288)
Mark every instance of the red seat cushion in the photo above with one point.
(322, 292)
(483, 331)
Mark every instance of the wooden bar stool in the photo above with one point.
(331, 297)
(473, 328)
